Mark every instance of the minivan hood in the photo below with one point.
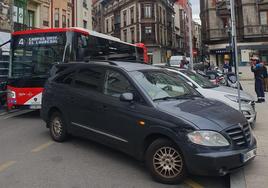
(232, 91)
(204, 113)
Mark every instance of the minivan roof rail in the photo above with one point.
(104, 61)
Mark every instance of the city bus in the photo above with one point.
(34, 52)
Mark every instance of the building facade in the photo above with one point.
(83, 14)
(252, 29)
(197, 41)
(185, 20)
(135, 21)
(31, 14)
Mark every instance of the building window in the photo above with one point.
(160, 14)
(107, 26)
(164, 17)
(125, 35)
(112, 23)
(263, 17)
(132, 31)
(85, 24)
(160, 35)
(57, 17)
(132, 15)
(30, 19)
(46, 16)
(148, 30)
(148, 10)
(124, 18)
(68, 20)
(85, 4)
(63, 18)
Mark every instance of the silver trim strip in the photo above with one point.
(100, 132)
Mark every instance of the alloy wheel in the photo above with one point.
(167, 162)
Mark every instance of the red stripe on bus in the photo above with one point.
(51, 30)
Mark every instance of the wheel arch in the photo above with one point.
(50, 112)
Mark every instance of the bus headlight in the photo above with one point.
(11, 94)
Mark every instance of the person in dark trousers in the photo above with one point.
(265, 78)
(258, 69)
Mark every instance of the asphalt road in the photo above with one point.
(30, 159)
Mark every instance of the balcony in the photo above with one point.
(223, 8)
(256, 31)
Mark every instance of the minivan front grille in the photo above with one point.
(240, 134)
(253, 104)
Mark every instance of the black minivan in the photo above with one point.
(149, 114)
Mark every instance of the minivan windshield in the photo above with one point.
(162, 85)
(200, 80)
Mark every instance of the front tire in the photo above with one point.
(165, 162)
(57, 127)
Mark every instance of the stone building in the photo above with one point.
(31, 14)
(135, 21)
(252, 28)
(197, 41)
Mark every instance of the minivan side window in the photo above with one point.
(89, 78)
(66, 78)
(116, 84)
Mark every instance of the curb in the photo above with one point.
(246, 79)
(237, 179)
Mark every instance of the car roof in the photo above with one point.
(127, 66)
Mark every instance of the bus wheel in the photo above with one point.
(57, 127)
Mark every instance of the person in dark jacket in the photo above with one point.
(265, 78)
(257, 68)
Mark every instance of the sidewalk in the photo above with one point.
(256, 173)
(246, 73)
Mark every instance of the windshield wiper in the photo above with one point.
(164, 98)
(185, 96)
(189, 96)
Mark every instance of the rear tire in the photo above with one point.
(165, 162)
(57, 127)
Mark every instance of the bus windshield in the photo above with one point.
(34, 55)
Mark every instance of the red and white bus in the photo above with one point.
(34, 52)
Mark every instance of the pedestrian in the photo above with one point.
(226, 67)
(257, 68)
(265, 77)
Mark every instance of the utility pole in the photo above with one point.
(190, 34)
(234, 45)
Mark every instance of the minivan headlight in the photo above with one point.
(208, 138)
(235, 99)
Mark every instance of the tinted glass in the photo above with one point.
(96, 48)
(34, 55)
(162, 84)
(116, 84)
(89, 78)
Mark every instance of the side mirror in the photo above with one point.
(127, 97)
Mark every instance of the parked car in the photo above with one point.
(150, 114)
(225, 94)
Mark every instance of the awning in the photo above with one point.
(4, 37)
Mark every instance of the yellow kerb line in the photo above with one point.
(42, 147)
(192, 184)
(6, 165)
